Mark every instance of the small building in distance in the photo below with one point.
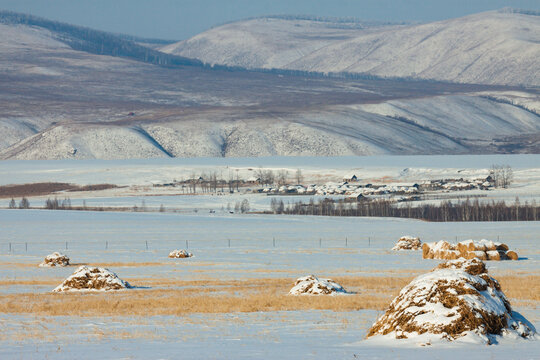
(350, 178)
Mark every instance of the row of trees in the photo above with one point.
(55, 204)
(212, 181)
(446, 211)
(23, 204)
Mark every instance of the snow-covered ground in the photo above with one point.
(140, 176)
(327, 246)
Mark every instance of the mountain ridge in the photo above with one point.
(496, 47)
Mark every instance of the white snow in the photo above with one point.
(311, 285)
(496, 47)
(88, 278)
(180, 254)
(55, 259)
(408, 242)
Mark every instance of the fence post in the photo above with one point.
(274, 241)
(320, 242)
(369, 241)
(26, 246)
(66, 245)
(229, 240)
(187, 245)
(146, 241)
(10, 248)
(106, 245)
(346, 241)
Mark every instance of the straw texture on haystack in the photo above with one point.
(180, 254)
(408, 243)
(457, 299)
(55, 259)
(92, 278)
(311, 285)
(468, 249)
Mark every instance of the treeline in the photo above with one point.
(98, 42)
(446, 211)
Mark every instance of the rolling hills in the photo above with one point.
(496, 47)
(63, 100)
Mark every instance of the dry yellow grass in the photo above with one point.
(226, 296)
(176, 302)
(521, 287)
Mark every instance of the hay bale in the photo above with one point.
(511, 255)
(311, 285)
(89, 278)
(463, 247)
(180, 254)
(426, 251)
(408, 243)
(488, 245)
(481, 255)
(457, 299)
(502, 247)
(55, 259)
(493, 255)
(468, 249)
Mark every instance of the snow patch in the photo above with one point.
(311, 285)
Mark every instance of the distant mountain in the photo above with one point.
(74, 93)
(99, 42)
(497, 47)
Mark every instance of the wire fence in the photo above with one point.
(18, 247)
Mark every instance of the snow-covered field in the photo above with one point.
(231, 249)
(303, 245)
(138, 177)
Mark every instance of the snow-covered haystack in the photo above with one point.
(468, 249)
(180, 254)
(408, 243)
(311, 285)
(55, 259)
(457, 299)
(92, 278)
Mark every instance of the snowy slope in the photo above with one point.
(85, 142)
(61, 103)
(498, 47)
(437, 125)
(269, 42)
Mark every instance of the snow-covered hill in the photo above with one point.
(62, 103)
(440, 125)
(497, 47)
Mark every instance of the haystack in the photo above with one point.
(311, 285)
(180, 254)
(468, 249)
(55, 259)
(457, 299)
(408, 243)
(92, 278)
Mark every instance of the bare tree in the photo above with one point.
(282, 177)
(299, 177)
(502, 175)
(244, 207)
(24, 203)
(12, 204)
